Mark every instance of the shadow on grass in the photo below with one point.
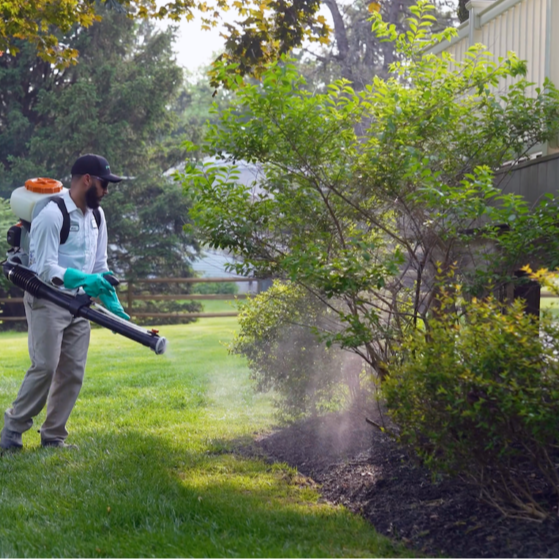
(128, 494)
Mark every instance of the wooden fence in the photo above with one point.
(129, 296)
(127, 299)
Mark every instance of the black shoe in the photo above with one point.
(57, 443)
(10, 440)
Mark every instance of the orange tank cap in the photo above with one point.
(43, 185)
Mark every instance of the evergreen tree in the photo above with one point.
(115, 102)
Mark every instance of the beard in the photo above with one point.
(91, 198)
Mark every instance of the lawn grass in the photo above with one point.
(154, 474)
(221, 306)
(550, 304)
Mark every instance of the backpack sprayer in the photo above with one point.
(26, 202)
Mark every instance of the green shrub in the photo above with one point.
(478, 395)
(285, 356)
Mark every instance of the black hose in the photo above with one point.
(79, 306)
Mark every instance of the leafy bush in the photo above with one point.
(285, 356)
(477, 395)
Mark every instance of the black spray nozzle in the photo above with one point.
(80, 306)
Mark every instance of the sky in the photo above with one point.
(194, 47)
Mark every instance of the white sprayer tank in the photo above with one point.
(25, 198)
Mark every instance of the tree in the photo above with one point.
(265, 31)
(355, 53)
(463, 13)
(374, 200)
(195, 106)
(33, 21)
(115, 102)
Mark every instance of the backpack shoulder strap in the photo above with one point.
(65, 231)
(97, 216)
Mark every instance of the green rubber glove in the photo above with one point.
(111, 303)
(94, 285)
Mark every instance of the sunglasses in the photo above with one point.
(104, 182)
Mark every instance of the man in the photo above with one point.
(58, 342)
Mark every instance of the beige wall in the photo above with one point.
(530, 28)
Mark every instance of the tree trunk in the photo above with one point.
(463, 13)
(340, 33)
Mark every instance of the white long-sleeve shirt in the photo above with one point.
(84, 250)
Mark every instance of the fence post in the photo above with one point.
(530, 292)
(264, 285)
(129, 297)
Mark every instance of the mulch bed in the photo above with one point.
(367, 472)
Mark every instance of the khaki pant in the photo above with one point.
(58, 345)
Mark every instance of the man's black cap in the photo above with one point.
(91, 164)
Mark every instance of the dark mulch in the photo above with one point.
(361, 468)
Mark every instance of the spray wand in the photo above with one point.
(82, 305)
